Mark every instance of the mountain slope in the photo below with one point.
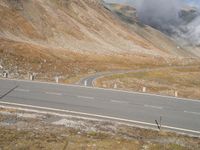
(71, 37)
(84, 26)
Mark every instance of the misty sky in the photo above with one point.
(194, 2)
(165, 16)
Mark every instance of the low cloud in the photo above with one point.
(173, 17)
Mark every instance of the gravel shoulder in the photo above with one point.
(30, 130)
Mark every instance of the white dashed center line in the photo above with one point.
(151, 106)
(194, 113)
(22, 90)
(120, 102)
(85, 97)
(53, 93)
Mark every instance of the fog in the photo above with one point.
(168, 17)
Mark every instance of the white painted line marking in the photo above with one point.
(85, 97)
(53, 93)
(194, 113)
(22, 90)
(120, 102)
(151, 106)
(100, 116)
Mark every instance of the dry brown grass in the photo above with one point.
(23, 58)
(21, 140)
(28, 133)
(165, 81)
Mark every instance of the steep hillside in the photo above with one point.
(84, 26)
(70, 37)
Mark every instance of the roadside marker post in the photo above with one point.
(159, 124)
(144, 89)
(115, 86)
(176, 93)
(85, 83)
(32, 77)
(57, 79)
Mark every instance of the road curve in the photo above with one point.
(90, 80)
(179, 115)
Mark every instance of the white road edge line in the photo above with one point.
(100, 116)
(22, 90)
(115, 90)
(190, 112)
(85, 97)
(53, 93)
(151, 106)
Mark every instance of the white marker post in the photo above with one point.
(115, 86)
(144, 89)
(57, 79)
(32, 77)
(176, 93)
(85, 82)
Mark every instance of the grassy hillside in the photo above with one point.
(73, 38)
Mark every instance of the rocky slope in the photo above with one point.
(84, 26)
(70, 37)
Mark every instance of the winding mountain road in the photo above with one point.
(90, 80)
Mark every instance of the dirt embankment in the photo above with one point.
(27, 130)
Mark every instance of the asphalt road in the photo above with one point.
(89, 80)
(177, 114)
